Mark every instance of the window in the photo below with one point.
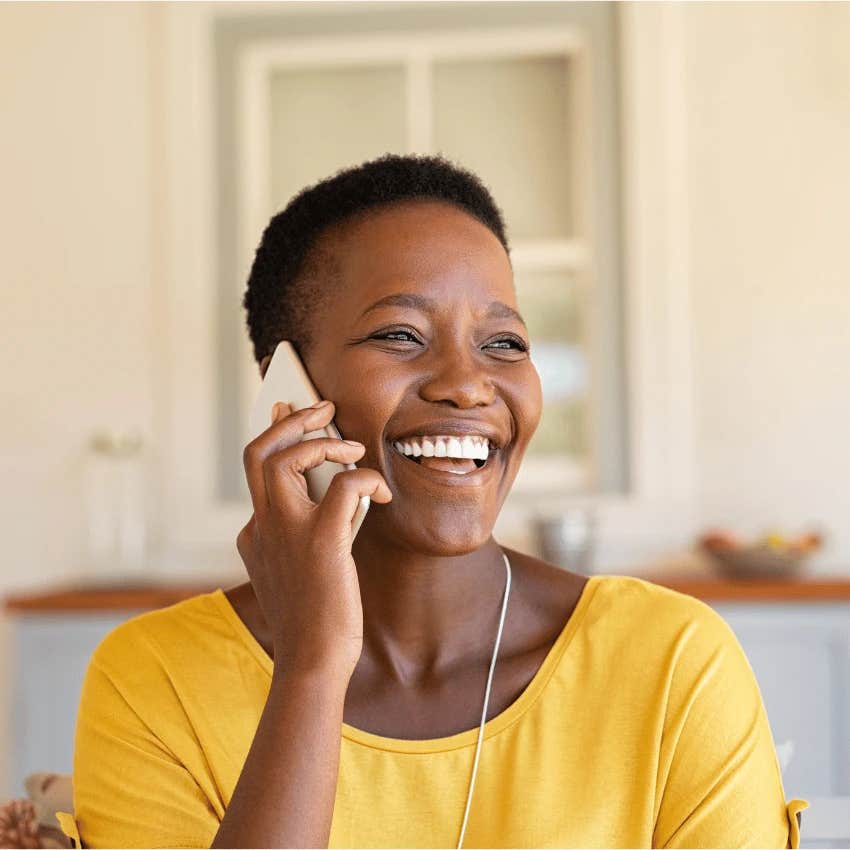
(523, 94)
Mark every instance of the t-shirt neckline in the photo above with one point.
(465, 738)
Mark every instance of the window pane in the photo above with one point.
(324, 119)
(554, 310)
(507, 120)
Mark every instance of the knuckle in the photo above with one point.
(245, 538)
(351, 479)
(281, 456)
(343, 480)
(288, 437)
(305, 452)
(248, 454)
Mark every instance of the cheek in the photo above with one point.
(365, 400)
(527, 404)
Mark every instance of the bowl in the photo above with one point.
(774, 555)
(756, 562)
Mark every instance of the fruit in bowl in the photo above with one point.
(772, 555)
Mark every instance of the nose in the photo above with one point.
(459, 379)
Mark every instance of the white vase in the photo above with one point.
(115, 509)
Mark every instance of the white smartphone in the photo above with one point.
(287, 380)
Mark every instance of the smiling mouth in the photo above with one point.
(456, 455)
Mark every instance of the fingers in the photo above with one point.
(343, 497)
(287, 430)
(276, 461)
(283, 471)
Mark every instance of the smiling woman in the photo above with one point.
(334, 699)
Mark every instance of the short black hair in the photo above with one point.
(289, 272)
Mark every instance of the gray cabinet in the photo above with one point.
(800, 654)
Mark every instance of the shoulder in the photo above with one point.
(154, 643)
(545, 585)
(622, 610)
(658, 626)
(624, 607)
(675, 657)
(543, 598)
(642, 603)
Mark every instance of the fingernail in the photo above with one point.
(354, 443)
(320, 404)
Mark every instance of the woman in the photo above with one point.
(335, 698)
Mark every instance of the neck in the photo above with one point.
(424, 614)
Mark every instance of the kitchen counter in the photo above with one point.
(703, 586)
(107, 598)
(714, 589)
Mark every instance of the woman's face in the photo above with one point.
(419, 339)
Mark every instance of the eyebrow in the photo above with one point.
(495, 310)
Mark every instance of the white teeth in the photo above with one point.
(469, 447)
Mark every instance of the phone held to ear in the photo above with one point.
(287, 380)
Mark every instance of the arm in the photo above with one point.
(719, 777)
(298, 736)
(298, 556)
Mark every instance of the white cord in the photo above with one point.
(486, 701)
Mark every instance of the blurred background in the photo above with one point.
(675, 183)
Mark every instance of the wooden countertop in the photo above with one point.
(710, 589)
(704, 587)
(107, 598)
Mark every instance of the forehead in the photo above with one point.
(421, 246)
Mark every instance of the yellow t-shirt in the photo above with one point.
(644, 727)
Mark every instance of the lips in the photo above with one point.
(457, 428)
(454, 452)
(449, 475)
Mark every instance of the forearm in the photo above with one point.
(285, 793)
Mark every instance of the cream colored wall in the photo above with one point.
(75, 214)
(75, 225)
(769, 194)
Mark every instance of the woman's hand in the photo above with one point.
(297, 552)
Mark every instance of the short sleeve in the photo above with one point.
(129, 788)
(69, 828)
(721, 782)
(795, 808)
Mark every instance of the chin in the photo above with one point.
(446, 534)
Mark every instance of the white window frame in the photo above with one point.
(197, 532)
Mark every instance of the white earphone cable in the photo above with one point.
(486, 700)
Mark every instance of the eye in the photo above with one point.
(505, 343)
(396, 335)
